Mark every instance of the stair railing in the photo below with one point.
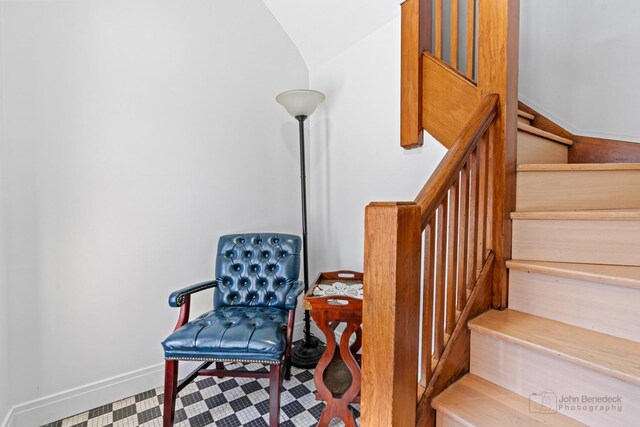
(438, 261)
(432, 264)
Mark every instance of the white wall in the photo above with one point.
(355, 150)
(136, 132)
(579, 62)
(5, 401)
(322, 29)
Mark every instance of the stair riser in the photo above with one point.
(577, 190)
(581, 241)
(526, 372)
(535, 149)
(444, 420)
(599, 307)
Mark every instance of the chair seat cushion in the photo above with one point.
(232, 333)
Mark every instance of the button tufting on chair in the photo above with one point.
(250, 315)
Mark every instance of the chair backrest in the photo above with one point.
(256, 269)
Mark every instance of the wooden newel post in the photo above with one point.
(390, 314)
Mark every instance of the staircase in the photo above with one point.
(567, 350)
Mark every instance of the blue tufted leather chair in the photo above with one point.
(255, 296)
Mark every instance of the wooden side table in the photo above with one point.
(337, 375)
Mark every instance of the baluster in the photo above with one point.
(473, 219)
(471, 32)
(452, 254)
(482, 200)
(490, 190)
(427, 302)
(441, 238)
(463, 236)
(454, 34)
(438, 39)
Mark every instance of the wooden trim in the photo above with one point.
(415, 38)
(526, 115)
(455, 359)
(447, 171)
(587, 149)
(391, 302)
(539, 132)
(541, 122)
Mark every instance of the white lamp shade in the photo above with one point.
(301, 102)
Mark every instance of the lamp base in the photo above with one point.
(307, 356)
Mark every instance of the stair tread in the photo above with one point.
(618, 275)
(613, 356)
(544, 134)
(477, 402)
(526, 115)
(612, 214)
(570, 167)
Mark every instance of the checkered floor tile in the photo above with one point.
(207, 401)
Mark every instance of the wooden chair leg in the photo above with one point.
(170, 391)
(220, 366)
(274, 395)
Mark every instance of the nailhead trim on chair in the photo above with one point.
(209, 359)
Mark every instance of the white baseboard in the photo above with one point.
(81, 399)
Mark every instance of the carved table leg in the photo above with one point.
(337, 406)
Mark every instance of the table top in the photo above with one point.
(335, 290)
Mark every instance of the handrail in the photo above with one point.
(438, 184)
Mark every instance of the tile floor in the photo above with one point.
(222, 402)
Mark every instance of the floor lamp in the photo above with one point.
(301, 104)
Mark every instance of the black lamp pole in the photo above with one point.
(307, 353)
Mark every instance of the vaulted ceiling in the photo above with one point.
(323, 28)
